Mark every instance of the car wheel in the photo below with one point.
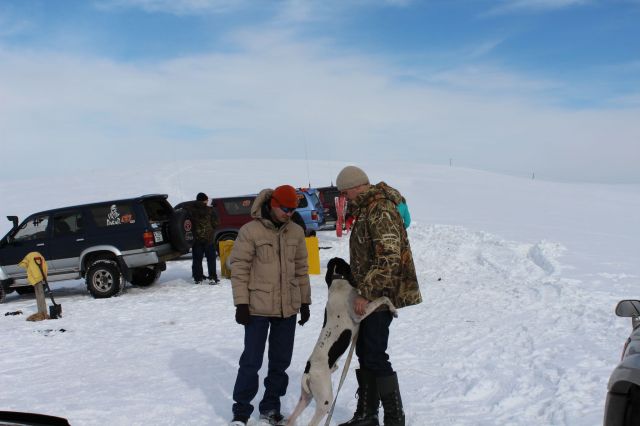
(181, 231)
(104, 278)
(27, 289)
(144, 277)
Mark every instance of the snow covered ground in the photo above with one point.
(519, 279)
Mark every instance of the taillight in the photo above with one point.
(314, 215)
(148, 239)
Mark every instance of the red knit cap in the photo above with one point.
(284, 196)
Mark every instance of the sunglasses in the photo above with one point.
(287, 209)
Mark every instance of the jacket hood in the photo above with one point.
(261, 199)
(377, 192)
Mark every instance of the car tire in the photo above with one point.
(145, 276)
(27, 289)
(181, 231)
(104, 278)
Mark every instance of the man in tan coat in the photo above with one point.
(270, 282)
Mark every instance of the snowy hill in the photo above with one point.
(519, 279)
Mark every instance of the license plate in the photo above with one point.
(157, 235)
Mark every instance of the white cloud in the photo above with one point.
(301, 11)
(178, 7)
(484, 48)
(507, 6)
(272, 97)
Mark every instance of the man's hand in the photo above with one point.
(242, 314)
(304, 314)
(360, 305)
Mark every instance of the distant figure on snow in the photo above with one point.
(205, 222)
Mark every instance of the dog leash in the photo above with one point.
(345, 369)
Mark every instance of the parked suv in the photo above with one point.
(106, 243)
(233, 212)
(327, 195)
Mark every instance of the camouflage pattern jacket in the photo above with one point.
(204, 220)
(381, 258)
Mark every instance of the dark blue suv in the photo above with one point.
(107, 243)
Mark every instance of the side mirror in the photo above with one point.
(628, 308)
(14, 220)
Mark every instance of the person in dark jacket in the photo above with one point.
(381, 265)
(204, 220)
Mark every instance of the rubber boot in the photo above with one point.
(368, 401)
(389, 392)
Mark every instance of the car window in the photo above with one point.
(316, 200)
(113, 215)
(238, 206)
(34, 228)
(302, 201)
(329, 195)
(158, 209)
(67, 223)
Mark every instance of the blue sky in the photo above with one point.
(516, 86)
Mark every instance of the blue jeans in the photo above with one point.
(198, 251)
(371, 346)
(281, 332)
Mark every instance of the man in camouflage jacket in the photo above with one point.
(205, 221)
(381, 265)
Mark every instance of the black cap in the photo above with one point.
(202, 197)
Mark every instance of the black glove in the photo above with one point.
(242, 314)
(304, 314)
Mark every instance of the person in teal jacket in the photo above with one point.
(404, 212)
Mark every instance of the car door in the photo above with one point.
(32, 235)
(68, 241)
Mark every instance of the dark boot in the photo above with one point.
(389, 392)
(368, 401)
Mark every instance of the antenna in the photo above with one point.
(306, 157)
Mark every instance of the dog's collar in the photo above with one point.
(339, 277)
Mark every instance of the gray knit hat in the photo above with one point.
(350, 177)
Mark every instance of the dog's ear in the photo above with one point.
(341, 267)
(338, 266)
(331, 266)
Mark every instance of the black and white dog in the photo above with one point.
(341, 323)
